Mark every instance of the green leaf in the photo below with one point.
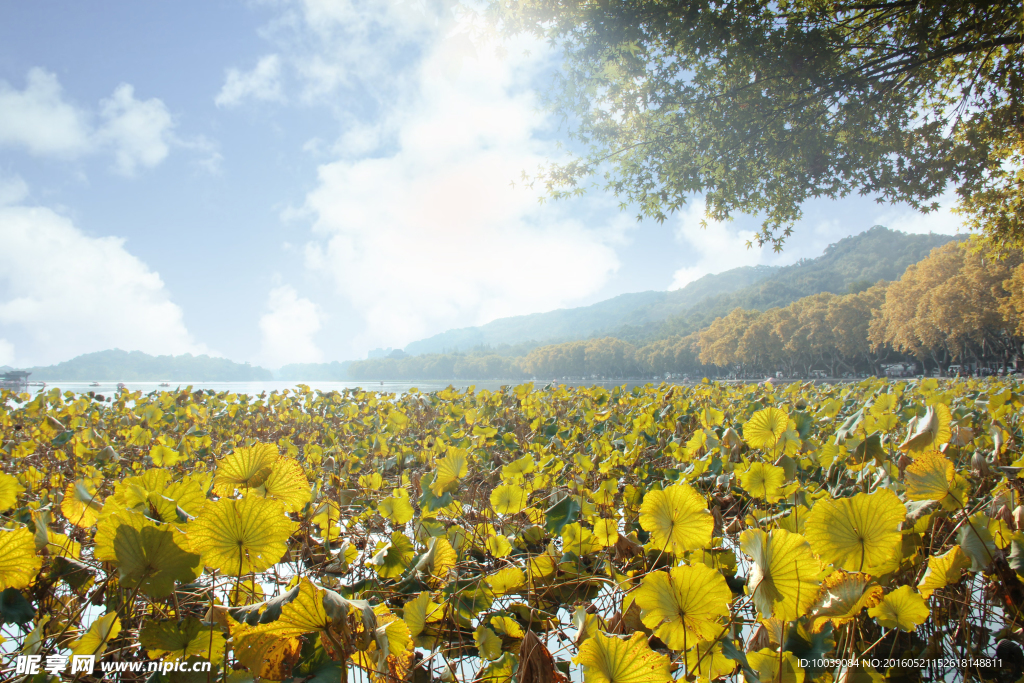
(176, 640)
(75, 573)
(565, 511)
(14, 608)
(430, 501)
(151, 559)
(976, 540)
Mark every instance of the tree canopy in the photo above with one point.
(760, 106)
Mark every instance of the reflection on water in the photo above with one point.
(256, 388)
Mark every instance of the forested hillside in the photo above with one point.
(956, 306)
(635, 309)
(859, 261)
(126, 366)
(852, 264)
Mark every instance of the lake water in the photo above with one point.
(255, 388)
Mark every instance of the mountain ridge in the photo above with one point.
(128, 366)
(877, 253)
(564, 324)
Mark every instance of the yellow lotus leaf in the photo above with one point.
(707, 661)
(765, 427)
(269, 647)
(764, 481)
(943, 570)
(506, 580)
(775, 667)
(81, 506)
(164, 456)
(684, 605)
(135, 491)
(795, 520)
(506, 627)
(784, 576)
(1001, 533)
(882, 423)
(391, 558)
(587, 625)
(677, 518)
(607, 659)
(437, 563)
(711, 417)
(266, 655)
(789, 443)
(903, 608)
(397, 421)
(303, 613)
(487, 642)
(578, 540)
(883, 403)
(95, 640)
(605, 493)
(517, 470)
(606, 532)
(842, 597)
(498, 546)
(371, 481)
(19, 563)
(396, 507)
(508, 499)
(287, 483)
(246, 468)
(110, 522)
(245, 592)
(59, 545)
(154, 489)
(139, 436)
(187, 494)
(695, 444)
(418, 614)
(10, 489)
(932, 477)
(389, 657)
(241, 536)
(859, 533)
(501, 670)
(929, 431)
(176, 640)
(449, 471)
(152, 559)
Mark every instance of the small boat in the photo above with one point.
(164, 384)
(94, 384)
(120, 385)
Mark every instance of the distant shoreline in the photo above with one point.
(109, 389)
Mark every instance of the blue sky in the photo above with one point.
(279, 182)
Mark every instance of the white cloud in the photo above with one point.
(137, 131)
(288, 329)
(716, 248)
(433, 236)
(39, 119)
(942, 220)
(329, 45)
(262, 83)
(63, 293)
